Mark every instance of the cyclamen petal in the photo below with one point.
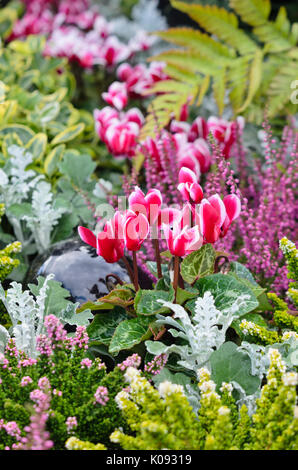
(233, 206)
(87, 236)
(209, 221)
(136, 230)
(219, 206)
(186, 175)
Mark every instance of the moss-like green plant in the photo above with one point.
(273, 425)
(257, 69)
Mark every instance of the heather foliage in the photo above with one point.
(60, 393)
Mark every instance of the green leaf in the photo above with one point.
(146, 301)
(129, 333)
(230, 365)
(19, 210)
(197, 264)
(37, 146)
(69, 134)
(49, 112)
(94, 306)
(123, 297)
(241, 271)
(226, 291)
(104, 325)
(184, 295)
(23, 132)
(69, 315)
(77, 167)
(52, 159)
(56, 301)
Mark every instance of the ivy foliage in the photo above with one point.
(256, 68)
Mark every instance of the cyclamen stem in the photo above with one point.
(135, 271)
(176, 275)
(128, 267)
(158, 258)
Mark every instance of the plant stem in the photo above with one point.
(176, 275)
(158, 258)
(128, 267)
(135, 271)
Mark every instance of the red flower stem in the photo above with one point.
(176, 275)
(128, 267)
(158, 258)
(135, 271)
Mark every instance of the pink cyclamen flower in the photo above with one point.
(216, 216)
(121, 138)
(135, 230)
(148, 205)
(116, 95)
(199, 150)
(233, 207)
(189, 187)
(109, 243)
(182, 241)
(103, 119)
(198, 129)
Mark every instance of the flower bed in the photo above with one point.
(171, 175)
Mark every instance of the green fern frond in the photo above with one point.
(253, 12)
(219, 22)
(237, 78)
(190, 60)
(196, 40)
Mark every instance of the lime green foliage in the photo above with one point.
(284, 320)
(35, 108)
(7, 264)
(7, 261)
(75, 444)
(274, 425)
(291, 254)
(258, 69)
(9, 15)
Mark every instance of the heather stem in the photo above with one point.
(135, 271)
(176, 275)
(158, 258)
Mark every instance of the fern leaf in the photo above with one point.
(203, 89)
(219, 22)
(280, 91)
(189, 60)
(198, 41)
(237, 79)
(255, 78)
(253, 12)
(277, 35)
(219, 89)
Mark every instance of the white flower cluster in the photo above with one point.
(290, 379)
(289, 334)
(287, 246)
(223, 411)
(276, 361)
(168, 388)
(225, 386)
(120, 399)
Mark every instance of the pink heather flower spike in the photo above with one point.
(188, 186)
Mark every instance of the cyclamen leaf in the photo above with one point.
(147, 301)
(104, 325)
(200, 263)
(129, 333)
(228, 293)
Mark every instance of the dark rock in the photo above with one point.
(79, 269)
